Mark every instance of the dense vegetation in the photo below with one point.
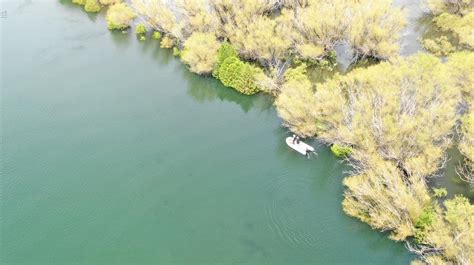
(454, 19)
(393, 122)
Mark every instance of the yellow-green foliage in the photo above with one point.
(460, 66)
(440, 192)
(167, 42)
(440, 46)
(79, 2)
(381, 197)
(270, 31)
(462, 27)
(466, 147)
(119, 16)
(340, 150)
(92, 6)
(451, 231)
(109, 2)
(458, 7)
(156, 35)
(140, 29)
(375, 28)
(159, 16)
(200, 52)
(402, 110)
(296, 103)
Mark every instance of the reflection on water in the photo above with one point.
(450, 180)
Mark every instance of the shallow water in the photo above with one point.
(113, 153)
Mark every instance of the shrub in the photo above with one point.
(109, 2)
(79, 2)
(156, 35)
(423, 223)
(92, 6)
(341, 151)
(140, 29)
(119, 16)
(440, 46)
(200, 52)
(239, 75)
(225, 51)
(440, 192)
(176, 52)
(167, 42)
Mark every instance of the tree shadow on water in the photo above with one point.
(205, 89)
(122, 40)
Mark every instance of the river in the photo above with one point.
(114, 153)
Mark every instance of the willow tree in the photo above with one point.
(119, 16)
(379, 194)
(458, 7)
(197, 16)
(375, 29)
(321, 24)
(403, 111)
(159, 16)
(296, 103)
(200, 52)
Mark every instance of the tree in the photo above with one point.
(375, 29)
(119, 16)
(158, 16)
(200, 52)
(295, 104)
(457, 7)
(461, 27)
(403, 111)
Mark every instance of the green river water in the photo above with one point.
(114, 153)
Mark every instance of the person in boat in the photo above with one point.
(308, 152)
(294, 138)
(297, 140)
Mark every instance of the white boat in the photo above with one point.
(300, 147)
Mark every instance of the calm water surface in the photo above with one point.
(113, 153)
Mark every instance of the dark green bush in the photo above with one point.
(239, 75)
(234, 72)
(423, 223)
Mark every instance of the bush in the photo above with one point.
(79, 2)
(440, 46)
(225, 51)
(167, 42)
(341, 151)
(440, 192)
(119, 17)
(156, 35)
(423, 223)
(239, 75)
(92, 6)
(176, 52)
(109, 2)
(140, 29)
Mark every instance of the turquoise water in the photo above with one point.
(113, 153)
